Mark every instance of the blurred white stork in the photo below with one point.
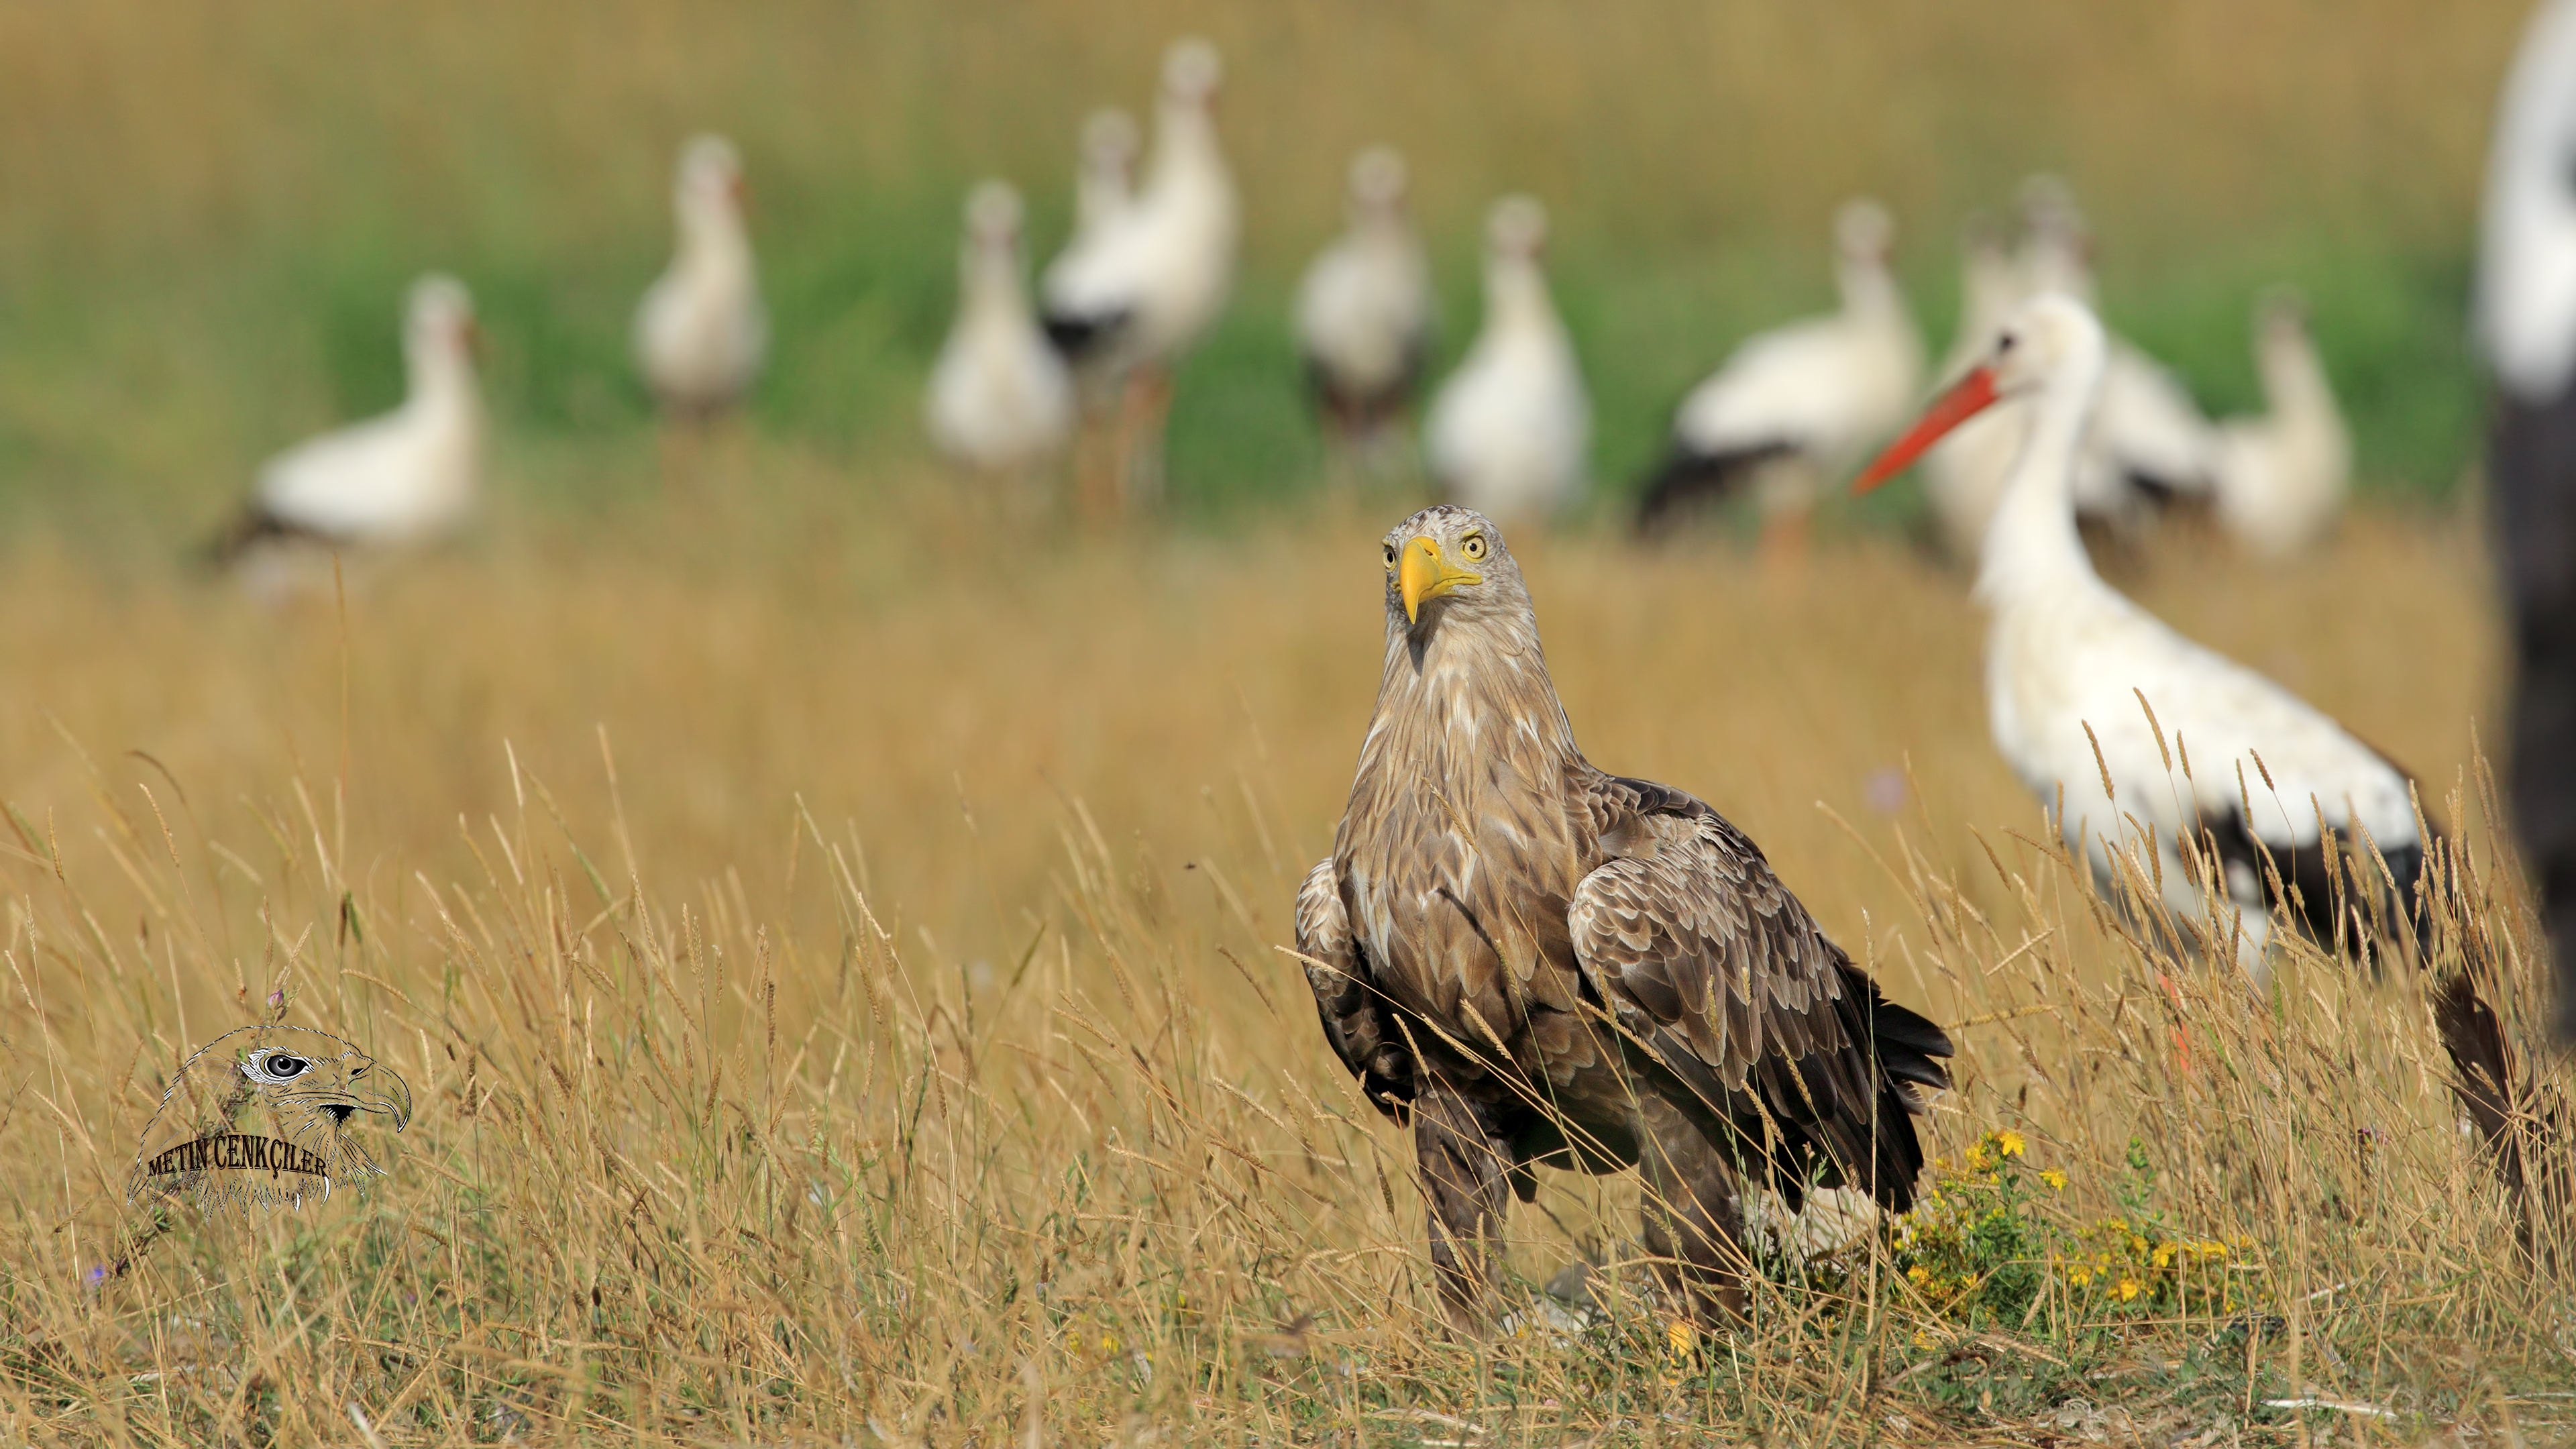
(1363, 313)
(2282, 477)
(1510, 429)
(2526, 314)
(2231, 796)
(1000, 400)
(1124, 305)
(701, 333)
(1796, 406)
(403, 478)
(2149, 443)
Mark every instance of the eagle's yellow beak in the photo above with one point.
(1423, 574)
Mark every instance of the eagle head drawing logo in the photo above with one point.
(260, 1117)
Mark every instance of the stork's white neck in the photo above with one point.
(1868, 289)
(1186, 153)
(2526, 304)
(2031, 548)
(1378, 228)
(1516, 298)
(711, 234)
(989, 277)
(439, 372)
(2294, 381)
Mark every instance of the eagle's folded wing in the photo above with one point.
(1355, 1014)
(1704, 956)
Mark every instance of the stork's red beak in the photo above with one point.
(1966, 398)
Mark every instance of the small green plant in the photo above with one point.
(1972, 1247)
(2138, 1263)
(1981, 1247)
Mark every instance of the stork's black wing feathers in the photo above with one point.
(1078, 335)
(255, 525)
(1689, 479)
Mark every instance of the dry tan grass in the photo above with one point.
(898, 1023)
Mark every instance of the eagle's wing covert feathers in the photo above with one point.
(1700, 952)
(1355, 1014)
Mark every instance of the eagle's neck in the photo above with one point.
(1466, 708)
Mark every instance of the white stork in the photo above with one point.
(2148, 443)
(1509, 432)
(1797, 405)
(2526, 313)
(2142, 740)
(1363, 313)
(1000, 400)
(701, 333)
(1126, 304)
(400, 479)
(2282, 477)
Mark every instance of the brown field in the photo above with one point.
(833, 939)
(836, 963)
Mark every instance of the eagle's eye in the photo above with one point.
(1473, 546)
(283, 1068)
(1390, 555)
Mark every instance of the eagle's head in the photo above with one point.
(1448, 565)
(260, 1116)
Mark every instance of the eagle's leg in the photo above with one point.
(1466, 1173)
(1691, 1215)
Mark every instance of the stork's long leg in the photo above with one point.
(1146, 413)
(1692, 1217)
(1465, 1172)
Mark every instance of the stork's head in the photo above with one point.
(2051, 217)
(438, 319)
(1864, 232)
(1448, 565)
(2281, 318)
(1192, 73)
(993, 217)
(2049, 342)
(1109, 142)
(1516, 229)
(1377, 182)
(708, 181)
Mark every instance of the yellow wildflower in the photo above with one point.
(2127, 1288)
(2053, 1178)
(2163, 1255)
(2009, 1143)
(1919, 1274)
(1680, 1338)
(1977, 1157)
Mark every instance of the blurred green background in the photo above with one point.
(208, 208)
